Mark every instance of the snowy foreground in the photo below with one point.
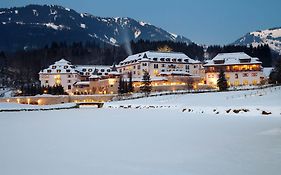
(139, 137)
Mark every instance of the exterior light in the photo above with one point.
(28, 101)
(8, 100)
(18, 100)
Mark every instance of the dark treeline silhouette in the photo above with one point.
(22, 67)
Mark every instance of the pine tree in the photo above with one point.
(275, 75)
(146, 84)
(222, 82)
(121, 85)
(130, 83)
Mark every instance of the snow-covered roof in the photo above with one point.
(267, 70)
(175, 73)
(151, 79)
(61, 66)
(155, 56)
(82, 83)
(94, 77)
(232, 59)
(64, 66)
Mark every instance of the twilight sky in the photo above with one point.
(202, 21)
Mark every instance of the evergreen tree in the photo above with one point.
(121, 85)
(190, 83)
(275, 75)
(146, 84)
(222, 82)
(130, 83)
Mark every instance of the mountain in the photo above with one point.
(272, 37)
(34, 26)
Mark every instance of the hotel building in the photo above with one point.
(240, 69)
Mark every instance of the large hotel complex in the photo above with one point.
(168, 71)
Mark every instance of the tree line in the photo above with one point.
(22, 67)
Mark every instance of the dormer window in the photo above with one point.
(90, 70)
(168, 59)
(58, 71)
(155, 59)
(102, 70)
(219, 61)
(84, 70)
(108, 70)
(162, 59)
(54, 67)
(247, 60)
(179, 60)
(49, 71)
(65, 67)
(186, 60)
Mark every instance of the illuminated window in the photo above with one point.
(67, 70)
(236, 83)
(245, 82)
(254, 82)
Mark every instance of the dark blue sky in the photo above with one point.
(202, 21)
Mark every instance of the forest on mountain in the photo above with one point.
(22, 67)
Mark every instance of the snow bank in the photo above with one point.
(6, 107)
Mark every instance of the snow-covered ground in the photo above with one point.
(142, 139)
(16, 106)
(251, 103)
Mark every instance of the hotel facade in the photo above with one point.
(240, 69)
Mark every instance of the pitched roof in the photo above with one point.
(149, 55)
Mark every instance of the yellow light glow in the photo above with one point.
(39, 101)
(18, 100)
(111, 81)
(8, 100)
(28, 101)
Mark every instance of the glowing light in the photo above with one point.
(18, 100)
(28, 101)
(8, 100)
(39, 101)
(111, 81)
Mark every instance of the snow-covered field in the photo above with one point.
(148, 136)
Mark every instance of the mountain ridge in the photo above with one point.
(271, 37)
(34, 26)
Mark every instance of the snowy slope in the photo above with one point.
(119, 141)
(35, 25)
(272, 37)
(255, 101)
